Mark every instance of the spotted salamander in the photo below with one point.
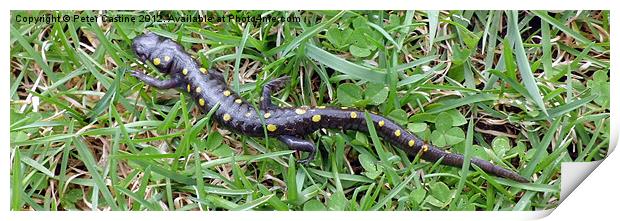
(288, 125)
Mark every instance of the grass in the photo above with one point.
(526, 90)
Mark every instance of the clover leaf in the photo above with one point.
(445, 134)
(500, 145)
(358, 51)
(353, 95)
(443, 121)
(447, 138)
(340, 39)
(600, 87)
(399, 116)
(440, 195)
(348, 93)
(370, 166)
(376, 93)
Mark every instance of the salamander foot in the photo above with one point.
(299, 144)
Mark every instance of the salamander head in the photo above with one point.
(144, 45)
(158, 50)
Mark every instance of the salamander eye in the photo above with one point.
(142, 56)
(139, 51)
(143, 45)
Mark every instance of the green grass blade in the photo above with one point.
(291, 181)
(524, 65)
(394, 192)
(563, 109)
(210, 36)
(90, 164)
(385, 34)
(136, 197)
(35, 56)
(546, 48)
(469, 142)
(252, 204)
(344, 66)
(306, 35)
(344, 177)
(540, 150)
(240, 47)
(559, 25)
(416, 63)
(433, 23)
(38, 166)
(453, 103)
(16, 184)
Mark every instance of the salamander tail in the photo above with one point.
(456, 160)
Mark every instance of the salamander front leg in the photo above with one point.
(299, 144)
(269, 88)
(159, 84)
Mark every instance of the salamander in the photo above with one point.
(289, 125)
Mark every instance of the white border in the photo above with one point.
(315, 5)
(596, 197)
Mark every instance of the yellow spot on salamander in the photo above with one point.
(424, 148)
(204, 71)
(198, 90)
(226, 117)
(248, 114)
(344, 108)
(381, 123)
(316, 118)
(189, 89)
(353, 115)
(156, 61)
(184, 71)
(267, 115)
(397, 133)
(238, 101)
(271, 127)
(166, 58)
(201, 102)
(411, 143)
(226, 93)
(300, 111)
(321, 107)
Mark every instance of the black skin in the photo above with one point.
(289, 125)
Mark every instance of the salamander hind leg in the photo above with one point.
(299, 144)
(269, 88)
